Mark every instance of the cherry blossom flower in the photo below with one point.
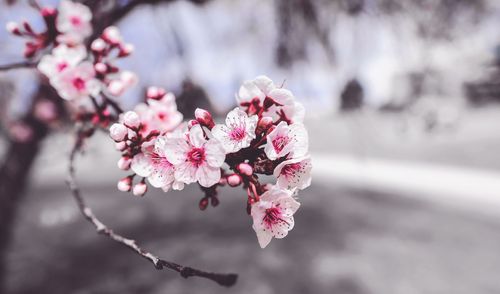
(258, 88)
(62, 58)
(161, 115)
(273, 215)
(294, 173)
(153, 165)
(77, 82)
(238, 131)
(196, 159)
(285, 139)
(73, 21)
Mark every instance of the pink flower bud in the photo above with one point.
(204, 118)
(245, 169)
(112, 35)
(131, 119)
(98, 45)
(13, 28)
(101, 68)
(132, 134)
(234, 180)
(124, 184)
(126, 50)
(128, 78)
(116, 87)
(45, 110)
(203, 203)
(124, 163)
(118, 132)
(155, 93)
(140, 189)
(120, 146)
(48, 12)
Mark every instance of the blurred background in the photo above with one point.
(403, 112)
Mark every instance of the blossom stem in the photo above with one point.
(17, 65)
(160, 264)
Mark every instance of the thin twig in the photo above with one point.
(160, 264)
(22, 64)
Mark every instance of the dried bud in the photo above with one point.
(264, 124)
(118, 132)
(140, 189)
(125, 184)
(204, 118)
(124, 163)
(214, 201)
(27, 27)
(234, 180)
(131, 119)
(245, 169)
(203, 203)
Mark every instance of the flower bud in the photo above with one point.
(126, 50)
(116, 87)
(112, 35)
(131, 119)
(120, 146)
(13, 28)
(128, 78)
(118, 132)
(101, 68)
(98, 45)
(245, 169)
(204, 118)
(47, 12)
(140, 189)
(124, 184)
(264, 124)
(214, 201)
(124, 163)
(155, 93)
(234, 180)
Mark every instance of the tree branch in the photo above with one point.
(22, 64)
(160, 264)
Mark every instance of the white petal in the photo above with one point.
(208, 176)
(175, 150)
(141, 165)
(282, 96)
(215, 153)
(196, 136)
(265, 84)
(301, 138)
(161, 177)
(264, 237)
(185, 173)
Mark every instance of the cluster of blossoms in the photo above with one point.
(264, 135)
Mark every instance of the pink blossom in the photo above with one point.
(61, 59)
(285, 139)
(273, 215)
(153, 164)
(131, 119)
(77, 82)
(196, 159)
(258, 88)
(238, 131)
(140, 189)
(73, 21)
(294, 173)
(160, 115)
(118, 132)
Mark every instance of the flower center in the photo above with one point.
(290, 169)
(272, 217)
(237, 134)
(162, 115)
(280, 142)
(79, 83)
(61, 66)
(196, 156)
(75, 20)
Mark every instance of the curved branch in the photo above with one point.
(160, 264)
(22, 64)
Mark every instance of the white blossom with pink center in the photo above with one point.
(77, 82)
(294, 173)
(287, 139)
(238, 131)
(273, 215)
(196, 159)
(61, 59)
(259, 88)
(161, 115)
(154, 165)
(73, 22)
